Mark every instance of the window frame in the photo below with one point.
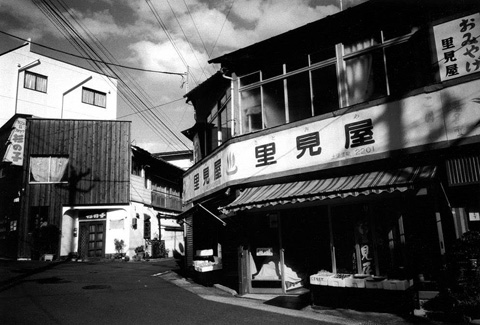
(37, 76)
(95, 93)
(338, 60)
(63, 179)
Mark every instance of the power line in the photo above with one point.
(170, 38)
(186, 38)
(72, 35)
(94, 60)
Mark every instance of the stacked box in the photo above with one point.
(338, 280)
(353, 282)
(320, 279)
(396, 284)
(372, 284)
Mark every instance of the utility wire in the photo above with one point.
(56, 17)
(186, 38)
(167, 33)
(93, 60)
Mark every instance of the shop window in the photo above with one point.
(93, 97)
(147, 226)
(249, 79)
(251, 110)
(371, 68)
(299, 104)
(324, 90)
(35, 81)
(226, 121)
(48, 169)
(274, 103)
(364, 73)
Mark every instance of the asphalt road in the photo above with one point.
(119, 293)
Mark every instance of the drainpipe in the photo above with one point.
(20, 69)
(69, 90)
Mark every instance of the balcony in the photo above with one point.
(166, 201)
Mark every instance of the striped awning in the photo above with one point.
(376, 182)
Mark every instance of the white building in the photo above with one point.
(31, 83)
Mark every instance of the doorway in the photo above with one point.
(92, 239)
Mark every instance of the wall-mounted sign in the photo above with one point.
(92, 215)
(458, 50)
(16, 143)
(446, 116)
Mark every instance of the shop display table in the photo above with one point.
(364, 299)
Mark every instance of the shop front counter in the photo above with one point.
(377, 295)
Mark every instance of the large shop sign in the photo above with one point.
(16, 143)
(458, 48)
(446, 115)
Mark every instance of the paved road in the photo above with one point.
(119, 293)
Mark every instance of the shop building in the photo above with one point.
(349, 146)
(76, 187)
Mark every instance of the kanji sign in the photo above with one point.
(458, 48)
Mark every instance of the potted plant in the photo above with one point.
(140, 253)
(119, 245)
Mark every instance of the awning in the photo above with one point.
(376, 182)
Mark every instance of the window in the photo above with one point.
(35, 81)
(147, 226)
(93, 97)
(339, 76)
(48, 169)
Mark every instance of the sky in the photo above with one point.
(167, 38)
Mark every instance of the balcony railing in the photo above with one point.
(162, 200)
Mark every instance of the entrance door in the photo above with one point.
(92, 239)
(264, 257)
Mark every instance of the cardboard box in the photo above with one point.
(355, 283)
(337, 281)
(371, 284)
(317, 279)
(396, 284)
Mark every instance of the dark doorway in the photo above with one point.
(92, 239)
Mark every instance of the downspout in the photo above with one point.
(20, 69)
(71, 89)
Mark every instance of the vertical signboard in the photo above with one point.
(16, 143)
(458, 49)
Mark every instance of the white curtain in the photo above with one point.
(39, 169)
(58, 166)
(29, 80)
(87, 96)
(359, 73)
(48, 169)
(100, 99)
(42, 84)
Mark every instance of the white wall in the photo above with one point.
(63, 98)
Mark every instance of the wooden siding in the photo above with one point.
(139, 193)
(98, 166)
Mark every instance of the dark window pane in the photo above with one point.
(299, 103)
(322, 55)
(325, 93)
(274, 104)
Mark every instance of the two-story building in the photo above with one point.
(70, 180)
(34, 84)
(78, 186)
(349, 146)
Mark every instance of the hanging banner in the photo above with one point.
(16, 143)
